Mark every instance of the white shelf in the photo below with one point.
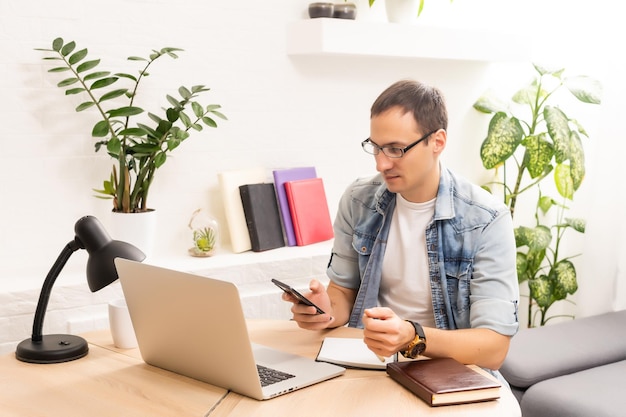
(327, 36)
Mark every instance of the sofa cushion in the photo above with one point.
(597, 392)
(546, 352)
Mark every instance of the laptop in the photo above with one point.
(194, 326)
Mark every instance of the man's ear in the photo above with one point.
(440, 138)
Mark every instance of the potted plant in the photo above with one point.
(532, 145)
(140, 145)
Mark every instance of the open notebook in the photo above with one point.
(194, 326)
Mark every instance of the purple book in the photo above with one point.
(281, 176)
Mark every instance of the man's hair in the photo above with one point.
(426, 103)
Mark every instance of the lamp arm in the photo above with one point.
(46, 289)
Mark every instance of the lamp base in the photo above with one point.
(53, 348)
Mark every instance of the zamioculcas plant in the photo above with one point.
(141, 147)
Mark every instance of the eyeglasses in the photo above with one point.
(390, 151)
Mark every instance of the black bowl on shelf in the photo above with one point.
(344, 11)
(321, 10)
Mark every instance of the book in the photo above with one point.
(229, 182)
(350, 352)
(444, 381)
(309, 211)
(262, 218)
(281, 176)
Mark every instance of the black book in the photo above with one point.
(262, 216)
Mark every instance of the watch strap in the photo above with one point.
(418, 344)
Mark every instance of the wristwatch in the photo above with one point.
(417, 345)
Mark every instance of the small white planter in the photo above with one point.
(138, 229)
(402, 11)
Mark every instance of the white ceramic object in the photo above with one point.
(402, 11)
(121, 325)
(138, 229)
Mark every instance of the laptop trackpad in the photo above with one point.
(264, 355)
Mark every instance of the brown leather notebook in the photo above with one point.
(444, 381)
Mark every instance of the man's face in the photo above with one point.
(416, 174)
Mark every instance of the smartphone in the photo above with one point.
(301, 298)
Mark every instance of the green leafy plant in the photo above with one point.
(545, 144)
(141, 147)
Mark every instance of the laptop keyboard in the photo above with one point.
(271, 376)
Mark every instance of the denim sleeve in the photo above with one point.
(343, 268)
(494, 289)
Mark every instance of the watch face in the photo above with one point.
(418, 349)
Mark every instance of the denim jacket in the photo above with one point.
(471, 253)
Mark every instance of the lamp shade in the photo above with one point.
(91, 236)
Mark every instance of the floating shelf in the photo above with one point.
(328, 36)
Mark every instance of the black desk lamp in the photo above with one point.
(90, 235)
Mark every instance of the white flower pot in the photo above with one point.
(138, 229)
(402, 11)
(376, 13)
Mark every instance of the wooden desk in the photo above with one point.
(103, 383)
(114, 382)
(356, 393)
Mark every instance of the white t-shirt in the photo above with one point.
(405, 285)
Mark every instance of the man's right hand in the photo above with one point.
(306, 316)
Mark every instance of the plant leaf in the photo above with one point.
(67, 81)
(113, 94)
(564, 276)
(57, 44)
(124, 75)
(577, 160)
(77, 56)
(585, 89)
(125, 111)
(100, 129)
(103, 82)
(184, 93)
(522, 267)
(185, 119)
(218, 114)
(545, 204)
(209, 122)
(67, 48)
(95, 75)
(86, 66)
(198, 111)
(541, 289)
(173, 102)
(505, 134)
(577, 224)
(172, 114)
(159, 159)
(85, 106)
(538, 154)
(559, 131)
(563, 180)
(536, 239)
(72, 91)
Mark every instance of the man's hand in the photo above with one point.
(385, 333)
(306, 316)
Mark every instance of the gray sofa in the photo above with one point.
(570, 369)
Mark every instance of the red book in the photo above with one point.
(309, 211)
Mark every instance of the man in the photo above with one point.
(423, 260)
